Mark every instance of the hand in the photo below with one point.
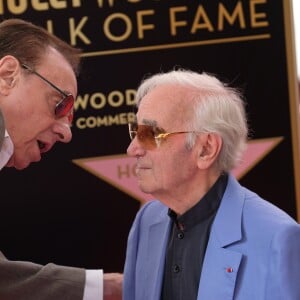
(112, 289)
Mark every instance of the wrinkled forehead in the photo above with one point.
(166, 104)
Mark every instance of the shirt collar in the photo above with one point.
(204, 208)
(6, 151)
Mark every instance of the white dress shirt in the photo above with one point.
(6, 150)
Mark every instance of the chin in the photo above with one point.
(21, 166)
(145, 189)
(18, 165)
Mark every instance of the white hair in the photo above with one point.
(217, 108)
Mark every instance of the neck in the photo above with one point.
(185, 196)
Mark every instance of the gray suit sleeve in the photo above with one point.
(29, 281)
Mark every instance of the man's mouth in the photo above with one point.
(44, 147)
(41, 145)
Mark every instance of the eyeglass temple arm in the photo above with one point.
(24, 66)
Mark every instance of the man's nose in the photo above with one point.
(63, 131)
(134, 149)
(130, 149)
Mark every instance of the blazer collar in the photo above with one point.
(227, 225)
(221, 263)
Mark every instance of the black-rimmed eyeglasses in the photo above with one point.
(65, 106)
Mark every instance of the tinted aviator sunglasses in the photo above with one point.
(149, 136)
(65, 106)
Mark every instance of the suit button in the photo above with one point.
(176, 269)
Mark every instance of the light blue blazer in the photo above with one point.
(253, 252)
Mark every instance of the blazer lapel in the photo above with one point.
(221, 264)
(155, 260)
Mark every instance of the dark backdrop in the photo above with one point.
(55, 210)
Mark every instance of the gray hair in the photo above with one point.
(217, 108)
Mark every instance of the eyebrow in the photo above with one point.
(150, 122)
(154, 124)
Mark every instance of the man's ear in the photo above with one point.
(209, 149)
(9, 72)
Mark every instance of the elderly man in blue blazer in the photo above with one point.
(206, 237)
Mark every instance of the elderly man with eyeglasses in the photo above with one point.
(37, 89)
(205, 237)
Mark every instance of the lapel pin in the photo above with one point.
(229, 270)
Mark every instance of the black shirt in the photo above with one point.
(187, 245)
